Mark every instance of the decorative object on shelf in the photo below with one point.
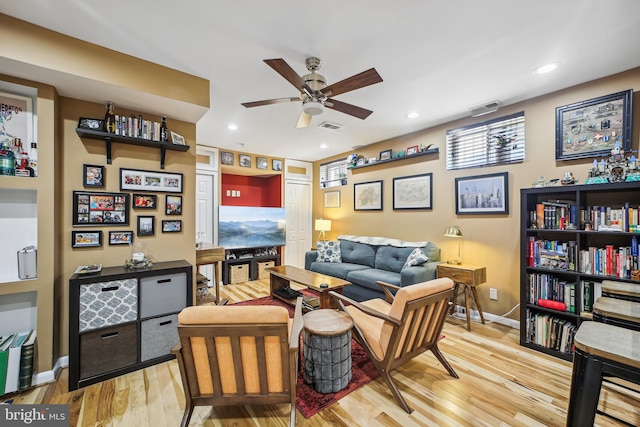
(245, 160)
(399, 154)
(455, 232)
(171, 225)
(120, 237)
(110, 119)
(93, 175)
(276, 164)
(146, 225)
(412, 150)
(199, 239)
(616, 168)
(262, 162)
(590, 128)
(322, 225)
(139, 258)
(226, 158)
(177, 139)
(352, 160)
(386, 154)
(367, 196)
(86, 239)
(413, 192)
(16, 116)
(88, 269)
(425, 148)
(93, 208)
(93, 124)
(143, 180)
(568, 179)
(483, 194)
(542, 182)
(332, 199)
(145, 201)
(173, 205)
(28, 263)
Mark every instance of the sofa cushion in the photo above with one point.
(391, 258)
(336, 269)
(329, 252)
(416, 257)
(367, 278)
(357, 253)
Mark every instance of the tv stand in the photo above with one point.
(242, 265)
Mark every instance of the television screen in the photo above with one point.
(242, 227)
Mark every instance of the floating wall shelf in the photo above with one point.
(411, 156)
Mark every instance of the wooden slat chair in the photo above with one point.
(238, 355)
(405, 325)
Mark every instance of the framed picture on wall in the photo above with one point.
(413, 192)
(262, 162)
(245, 160)
(146, 225)
(120, 237)
(226, 158)
(276, 164)
(483, 194)
(86, 239)
(93, 176)
(173, 205)
(171, 226)
(99, 208)
(332, 199)
(367, 196)
(145, 201)
(143, 180)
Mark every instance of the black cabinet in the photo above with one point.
(245, 267)
(572, 238)
(121, 320)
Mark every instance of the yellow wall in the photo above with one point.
(489, 240)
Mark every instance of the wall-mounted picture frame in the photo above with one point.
(176, 138)
(367, 196)
(412, 150)
(93, 175)
(591, 128)
(143, 180)
(332, 199)
(173, 205)
(100, 208)
(483, 194)
(16, 116)
(386, 154)
(245, 160)
(146, 225)
(413, 192)
(86, 239)
(120, 237)
(276, 164)
(145, 201)
(91, 124)
(171, 226)
(226, 158)
(262, 163)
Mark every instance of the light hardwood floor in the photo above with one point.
(501, 384)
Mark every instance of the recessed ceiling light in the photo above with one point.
(546, 68)
(232, 126)
(411, 115)
(323, 146)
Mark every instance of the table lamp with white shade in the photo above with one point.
(323, 225)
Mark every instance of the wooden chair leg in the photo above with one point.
(187, 416)
(586, 382)
(436, 352)
(387, 378)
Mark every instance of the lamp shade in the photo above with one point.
(453, 232)
(323, 225)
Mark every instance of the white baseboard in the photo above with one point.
(45, 377)
(474, 315)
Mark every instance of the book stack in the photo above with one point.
(610, 261)
(552, 254)
(554, 215)
(550, 331)
(16, 361)
(552, 288)
(137, 127)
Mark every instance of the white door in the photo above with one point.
(206, 190)
(298, 204)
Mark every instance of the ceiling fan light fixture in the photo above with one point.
(313, 107)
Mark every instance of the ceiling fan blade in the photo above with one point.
(365, 78)
(281, 67)
(269, 102)
(303, 120)
(352, 110)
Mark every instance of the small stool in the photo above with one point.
(601, 350)
(327, 350)
(618, 312)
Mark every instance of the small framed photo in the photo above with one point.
(91, 124)
(412, 150)
(86, 239)
(483, 194)
(245, 160)
(145, 201)
(120, 237)
(276, 164)
(262, 162)
(385, 155)
(171, 226)
(367, 196)
(146, 225)
(93, 175)
(177, 138)
(332, 199)
(226, 158)
(173, 205)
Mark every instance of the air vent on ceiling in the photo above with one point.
(490, 107)
(330, 126)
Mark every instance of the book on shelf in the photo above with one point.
(13, 362)
(27, 360)
(5, 343)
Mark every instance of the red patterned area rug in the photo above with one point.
(309, 401)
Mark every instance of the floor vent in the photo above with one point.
(331, 127)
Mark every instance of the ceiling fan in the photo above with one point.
(314, 92)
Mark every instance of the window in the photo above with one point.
(494, 142)
(333, 174)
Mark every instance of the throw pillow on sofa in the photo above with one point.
(329, 252)
(416, 257)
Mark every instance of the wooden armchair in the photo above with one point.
(402, 327)
(238, 355)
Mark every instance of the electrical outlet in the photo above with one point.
(493, 293)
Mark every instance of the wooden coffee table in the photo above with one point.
(283, 275)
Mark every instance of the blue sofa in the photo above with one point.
(364, 260)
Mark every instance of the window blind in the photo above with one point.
(333, 174)
(494, 142)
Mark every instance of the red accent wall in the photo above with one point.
(254, 191)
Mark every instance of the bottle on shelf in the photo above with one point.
(16, 147)
(110, 119)
(164, 133)
(33, 158)
(7, 160)
(24, 169)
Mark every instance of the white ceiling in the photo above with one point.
(437, 57)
